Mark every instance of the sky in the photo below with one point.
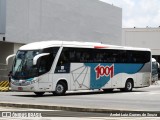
(138, 13)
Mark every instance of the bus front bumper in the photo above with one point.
(28, 88)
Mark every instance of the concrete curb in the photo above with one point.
(74, 109)
(66, 108)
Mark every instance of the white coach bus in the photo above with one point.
(155, 67)
(60, 66)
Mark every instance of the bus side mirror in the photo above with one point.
(35, 59)
(7, 59)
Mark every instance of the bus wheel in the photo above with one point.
(60, 88)
(128, 86)
(39, 93)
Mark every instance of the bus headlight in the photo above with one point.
(12, 81)
(34, 81)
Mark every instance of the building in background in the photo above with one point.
(143, 37)
(2, 17)
(25, 21)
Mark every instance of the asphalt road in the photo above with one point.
(142, 99)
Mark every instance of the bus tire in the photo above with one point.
(128, 86)
(61, 88)
(39, 93)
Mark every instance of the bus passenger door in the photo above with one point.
(44, 83)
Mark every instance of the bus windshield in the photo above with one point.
(23, 67)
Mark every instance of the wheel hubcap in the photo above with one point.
(59, 88)
(129, 86)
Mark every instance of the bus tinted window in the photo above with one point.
(89, 55)
(45, 62)
(138, 56)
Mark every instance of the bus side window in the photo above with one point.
(63, 59)
(63, 65)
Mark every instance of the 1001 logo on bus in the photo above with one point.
(104, 71)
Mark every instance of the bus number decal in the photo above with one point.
(104, 71)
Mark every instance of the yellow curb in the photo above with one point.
(4, 84)
(4, 89)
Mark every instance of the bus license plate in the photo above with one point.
(20, 88)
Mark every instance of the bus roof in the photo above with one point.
(46, 44)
